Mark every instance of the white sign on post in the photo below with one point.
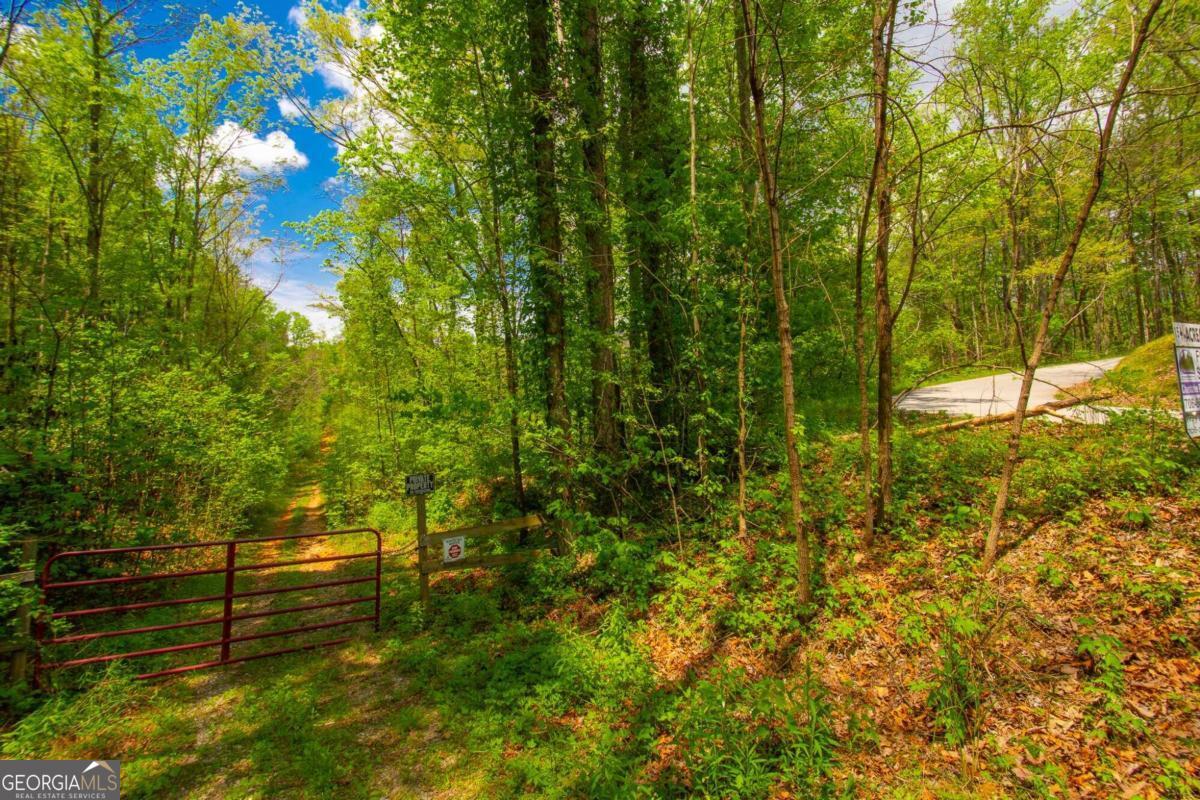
(1187, 367)
(453, 549)
(421, 483)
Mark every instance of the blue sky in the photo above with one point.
(292, 272)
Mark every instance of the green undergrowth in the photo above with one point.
(673, 663)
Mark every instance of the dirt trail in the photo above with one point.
(367, 694)
(305, 511)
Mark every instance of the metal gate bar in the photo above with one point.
(225, 620)
(212, 598)
(87, 637)
(239, 659)
(192, 573)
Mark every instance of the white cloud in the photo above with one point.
(306, 300)
(336, 76)
(274, 153)
(334, 72)
(348, 110)
(267, 269)
(336, 186)
(297, 16)
(358, 27)
(288, 108)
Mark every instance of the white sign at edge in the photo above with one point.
(453, 549)
(1187, 351)
(1187, 334)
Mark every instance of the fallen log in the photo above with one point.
(992, 419)
(1007, 416)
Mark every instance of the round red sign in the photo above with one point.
(455, 551)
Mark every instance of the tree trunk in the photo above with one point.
(508, 326)
(771, 192)
(1068, 257)
(647, 152)
(1174, 273)
(546, 259)
(694, 249)
(94, 188)
(882, 29)
(8, 210)
(1051, 408)
(743, 430)
(878, 171)
(508, 323)
(11, 22)
(596, 234)
(745, 146)
(1143, 331)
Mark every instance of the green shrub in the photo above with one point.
(465, 613)
(955, 694)
(764, 610)
(740, 737)
(1163, 589)
(956, 689)
(1175, 781)
(1106, 655)
(623, 568)
(1053, 572)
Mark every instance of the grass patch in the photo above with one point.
(1145, 377)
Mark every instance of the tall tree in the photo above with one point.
(765, 157)
(747, 196)
(649, 146)
(546, 260)
(590, 97)
(882, 35)
(1140, 37)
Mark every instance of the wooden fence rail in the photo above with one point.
(430, 562)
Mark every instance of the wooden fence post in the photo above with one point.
(562, 538)
(422, 550)
(19, 666)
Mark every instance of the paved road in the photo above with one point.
(996, 394)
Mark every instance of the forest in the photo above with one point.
(662, 273)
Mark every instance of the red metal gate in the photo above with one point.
(231, 569)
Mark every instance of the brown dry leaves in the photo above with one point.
(1040, 722)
